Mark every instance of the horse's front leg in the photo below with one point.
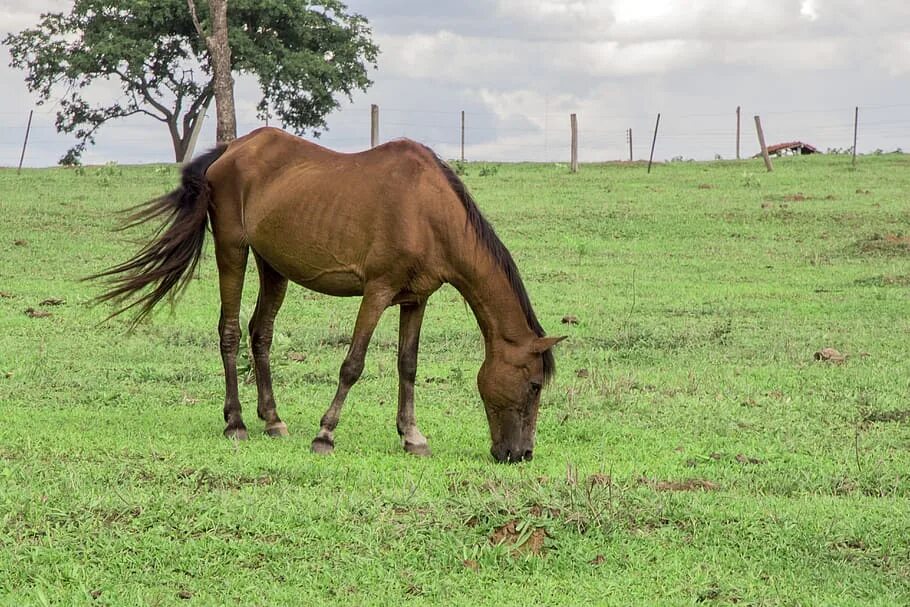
(375, 301)
(408, 341)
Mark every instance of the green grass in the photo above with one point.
(691, 450)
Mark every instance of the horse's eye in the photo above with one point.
(535, 387)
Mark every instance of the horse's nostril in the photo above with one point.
(529, 455)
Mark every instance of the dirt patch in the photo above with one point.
(297, 356)
(212, 482)
(582, 373)
(20, 243)
(744, 459)
(33, 313)
(887, 416)
(471, 564)
(885, 280)
(705, 186)
(692, 484)
(112, 517)
(53, 301)
(569, 319)
(795, 197)
(5, 295)
(600, 480)
(524, 540)
(185, 595)
(716, 457)
(885, 244)
(598, 560)
(830, 355)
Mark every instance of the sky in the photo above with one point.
(519, 68)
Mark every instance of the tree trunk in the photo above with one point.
(179, 143)
(221, 67)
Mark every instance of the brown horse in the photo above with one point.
(391, 224)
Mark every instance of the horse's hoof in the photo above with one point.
(322, 446)
(235, 433)
(421, 449)
(277, 429)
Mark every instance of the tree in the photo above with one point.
(303, 53)
(222, 81)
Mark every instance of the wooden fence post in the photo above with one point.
(28, 128)
(573, 119)
(737, 130)
(462, 135)
(761, 142)
(855, 130)
(374, 125)
(653, 142)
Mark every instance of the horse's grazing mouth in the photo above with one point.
(391, 225)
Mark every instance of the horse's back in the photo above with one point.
(332, 221)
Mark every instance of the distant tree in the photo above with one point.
(303, 53)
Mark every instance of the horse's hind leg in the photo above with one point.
(231, 269)
(408, 340)
(272, 287)
(371, 308)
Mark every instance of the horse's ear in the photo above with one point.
(542, 344)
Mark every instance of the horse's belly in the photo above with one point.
(338, 283)
(324, 275)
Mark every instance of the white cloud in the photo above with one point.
(521, 66)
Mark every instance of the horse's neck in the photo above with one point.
(487, 289)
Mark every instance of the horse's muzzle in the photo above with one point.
(506, 455)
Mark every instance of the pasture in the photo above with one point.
(690, 450)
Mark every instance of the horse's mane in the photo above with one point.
(500, 254)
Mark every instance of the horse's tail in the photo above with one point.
(166, 263)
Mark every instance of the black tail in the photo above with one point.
(167, 262)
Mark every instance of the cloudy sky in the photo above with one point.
(518, 68)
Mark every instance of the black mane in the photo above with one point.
(491, 242)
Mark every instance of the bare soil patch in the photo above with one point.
(33, 313)
(830, 355)
(885, 280)
(884, 244)
(523, 541)
(692, 484)
(887, 416)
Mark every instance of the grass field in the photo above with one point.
(691, 449)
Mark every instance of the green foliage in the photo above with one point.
(488, 170)
(303, 53)
(690, 450)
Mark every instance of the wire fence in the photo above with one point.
(508, 135)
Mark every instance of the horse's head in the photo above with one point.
(510, 382)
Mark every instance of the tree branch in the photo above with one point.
(146, 94)
(196, 23)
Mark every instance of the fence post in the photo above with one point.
(462, 135)
(573, 119)
(28, 128)
(374, 125)
(737, 130)
(761, 142)
(855, 130)
(653, 142)
(630, 145)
